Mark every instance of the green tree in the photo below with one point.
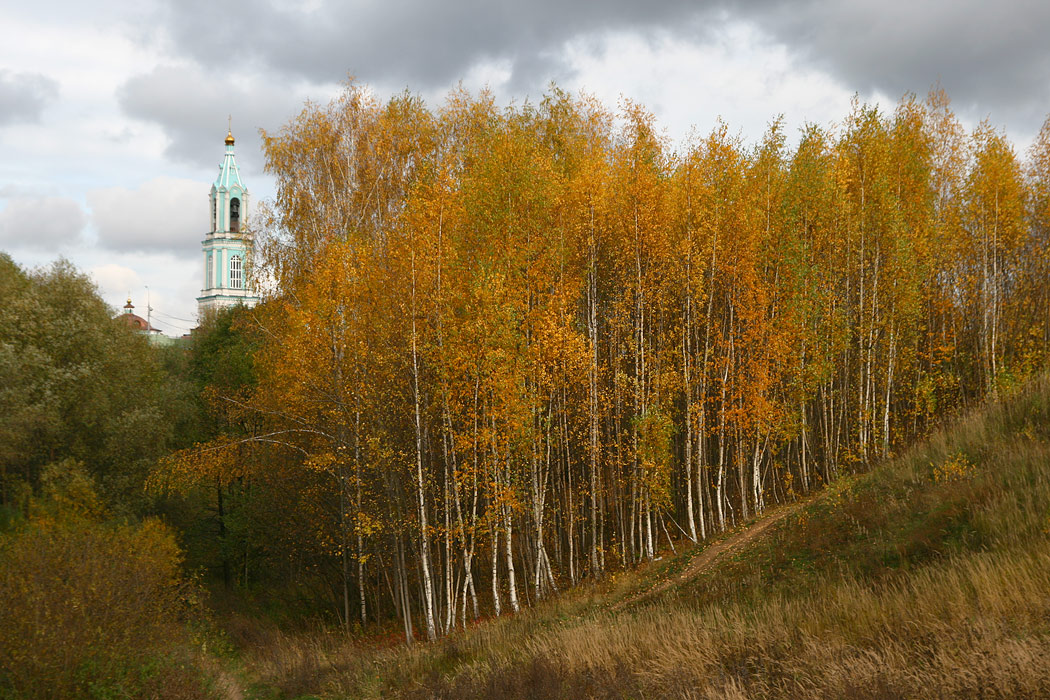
(75, 383)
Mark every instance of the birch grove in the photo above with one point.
(523, 347)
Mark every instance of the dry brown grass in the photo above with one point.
(964, 628)
(324, 661)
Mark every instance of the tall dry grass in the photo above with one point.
(973, 627)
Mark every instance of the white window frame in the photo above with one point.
(236, 272)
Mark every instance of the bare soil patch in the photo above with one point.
(706, 558)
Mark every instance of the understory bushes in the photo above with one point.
(93, 609)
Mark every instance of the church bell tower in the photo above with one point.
(227, 245)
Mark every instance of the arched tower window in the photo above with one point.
(214, 220)
(209, 277)
(235, 271)
(235, 215)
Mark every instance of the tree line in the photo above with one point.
(503, 350)
(95, 597)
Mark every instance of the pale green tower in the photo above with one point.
(227, 245)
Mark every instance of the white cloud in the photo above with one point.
(41, 223)
(163, 214)
(741, 76)
(116, 280)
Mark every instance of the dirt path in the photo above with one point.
(707, 557)
(226, 683)
(229, 686)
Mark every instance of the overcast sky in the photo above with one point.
(112, 114)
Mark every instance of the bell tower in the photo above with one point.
(228, 244)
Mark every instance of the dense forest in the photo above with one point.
(506, 349)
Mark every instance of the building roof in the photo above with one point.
(137, 323)
(229, 174)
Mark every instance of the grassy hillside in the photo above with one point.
(927, 577)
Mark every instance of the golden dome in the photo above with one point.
(229, 138)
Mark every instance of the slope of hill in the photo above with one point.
(927, 577)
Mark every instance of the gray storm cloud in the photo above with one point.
(256, 59)
(994, 54)
(416, 43)
(23, 96)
